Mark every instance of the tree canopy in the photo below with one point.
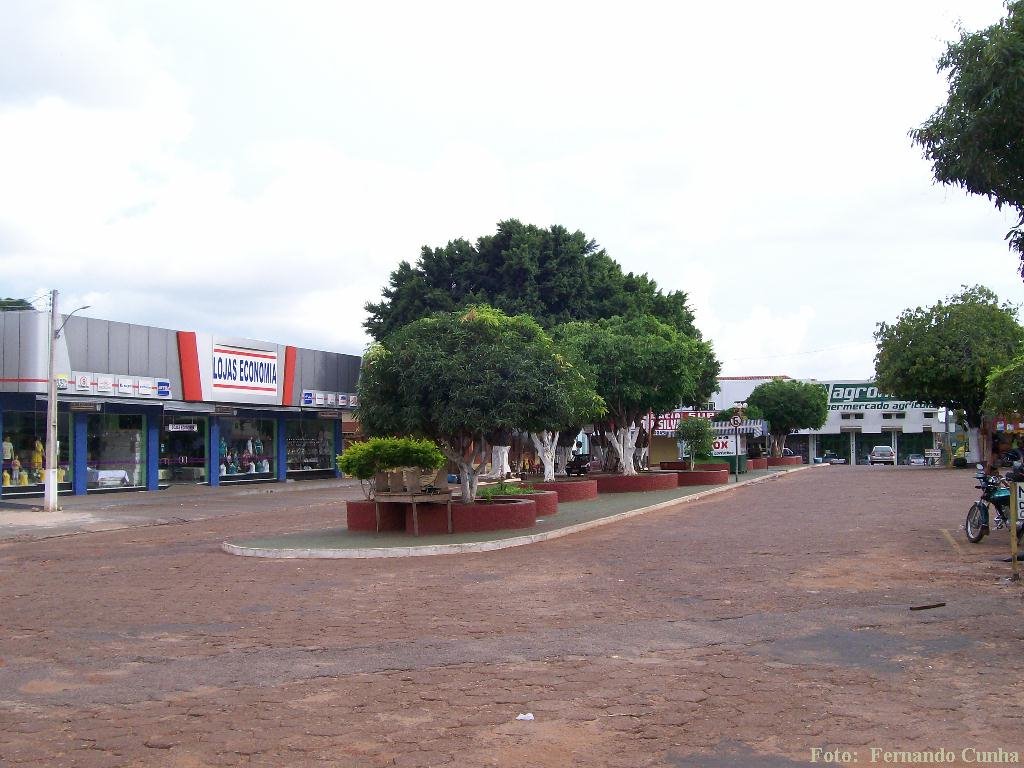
(639, 365)
(943, 354)
(9, 304)
(699, 436)
(975, 140)
(788, 405)
(453, 376)
(1004, 391)
(552, 274)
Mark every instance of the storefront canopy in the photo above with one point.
(748, 427)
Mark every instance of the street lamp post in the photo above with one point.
(50, 473)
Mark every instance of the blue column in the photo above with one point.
(281, 450)
(213, 452)
(152, 451)
(339, 446)
(79, 453)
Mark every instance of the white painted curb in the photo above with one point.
(495, 544)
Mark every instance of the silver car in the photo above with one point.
(882, 454)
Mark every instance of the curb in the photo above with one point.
(494, 544)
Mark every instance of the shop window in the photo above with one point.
(886, 415)
(24, 452)
(846, 416)
(183, 449)
(246, 449)
(901, 415)
(116, 451)
(930, 414)
(309, 444)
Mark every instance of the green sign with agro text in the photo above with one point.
(865, 396)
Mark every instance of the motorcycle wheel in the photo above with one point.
(974, 525)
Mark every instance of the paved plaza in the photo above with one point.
(744, 629)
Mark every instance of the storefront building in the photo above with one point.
(859, 418)
(142, 407)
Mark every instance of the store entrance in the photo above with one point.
(183, 449)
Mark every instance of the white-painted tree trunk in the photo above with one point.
(545, 443)
(500, 468)
(468, 472)
(973, 454)
(561, 457)
(623, 444)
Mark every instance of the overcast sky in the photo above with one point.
(259, 168)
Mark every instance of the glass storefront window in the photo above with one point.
(246, 449)
(183, 449)
(310, 444)
(24, 451)
(116, 445)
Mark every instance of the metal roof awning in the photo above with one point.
(754, 428)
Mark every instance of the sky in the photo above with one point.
(258, 169)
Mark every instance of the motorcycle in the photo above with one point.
(995, 490)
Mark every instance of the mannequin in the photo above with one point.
(223, 469)
(7, 478)
(8, 448)
(16, 470)
(257, 445)
(248, 446)
(264, 466)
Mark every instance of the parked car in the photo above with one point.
(831, 457)
(917, 460)
(882, 454)
(578, 465)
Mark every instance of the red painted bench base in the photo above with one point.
(498, 515)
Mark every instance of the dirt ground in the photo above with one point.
(744, 630)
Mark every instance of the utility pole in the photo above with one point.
(50, 472)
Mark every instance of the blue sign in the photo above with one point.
(307, 398)
(163, 388)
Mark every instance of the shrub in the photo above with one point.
(504, 489)
(381, 454)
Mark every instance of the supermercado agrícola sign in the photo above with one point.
(865, 396)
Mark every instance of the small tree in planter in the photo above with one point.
(699, 436)
(383, 454)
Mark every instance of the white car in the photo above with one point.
(882, 454)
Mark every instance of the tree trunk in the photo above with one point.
(500, 468)
(622, 443)
(561, 457)
(468, 470)
(778, 443)
(545, 442)
(973, 453)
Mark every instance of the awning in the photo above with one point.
(754, 428)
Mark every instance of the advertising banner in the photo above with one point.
(865, 396)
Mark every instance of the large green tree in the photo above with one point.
(788, 405)
(943, 354)
(975, 140)
(552, 274)
(637, 365)
(453, 376)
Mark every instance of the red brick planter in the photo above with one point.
(711, 467)
(570, 490)
(645, 481)
(685, 465)
(546, 502)
(498, 515)
(360, 516)
(703, 477)
(785, 461)
(753, 464)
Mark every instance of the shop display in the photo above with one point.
(241, 448)
(309, 446)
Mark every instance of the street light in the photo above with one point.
(50, 475)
